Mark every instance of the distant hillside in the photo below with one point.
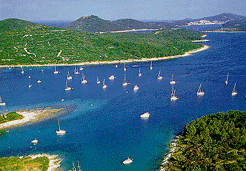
(95, 24)
(224, 17)
(234, 25)
(14, 23)
(39, 44)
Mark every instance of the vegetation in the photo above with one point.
(95, 24)
(10, 117)
(234, 25)
(213, 142)
(40, 44)
(24, 163)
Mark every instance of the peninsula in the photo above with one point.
(213, 142)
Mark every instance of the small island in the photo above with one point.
(213, 142)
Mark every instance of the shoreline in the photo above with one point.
(189, 53)
(30, 116)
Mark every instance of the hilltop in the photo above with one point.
(95, 24)
(39, 44)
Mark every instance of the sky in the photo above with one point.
(142, 10)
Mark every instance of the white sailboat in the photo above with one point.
(173, 97)
(98, 81)
(104, 85)
(56, 72)
(234, 93)
(139, 73)
(81, 68)
(128, 161)
(112, 77)
(226, 81)
(1, 102)
(79, 167)
(69, 77)
(145, 115)
(125, 83)
(60, 131)
(22, 71)
(76, 72)
(124, 67)
(29, 85)
(151, 66)
(199, 91)
(67, 88)
(135, 88)
(172, 82)
(159, 77)
(35, 141)
(83, 80)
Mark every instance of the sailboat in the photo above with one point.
(139, 73)
(56, 72)
(112, 77)
(104, 85)
(234, 93)
(76, 72)
(98, 81)
(35, 141)
(151, 66)
(172, 82)
(81, 68)
(135, 88)
(83, 80)
(145, 115)
(199, 91)
(125, 83)
(60, 131)
(1, 102)
(69, 77)
(226, 81)
(173, 97)
(67, 88)
(79, 167)
(22, 71)
(159, 77)
(29, 85)
(124, 67)
(127, 161)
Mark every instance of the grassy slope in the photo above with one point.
(37, 44)
(11, 116)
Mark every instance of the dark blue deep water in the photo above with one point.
(102, 136)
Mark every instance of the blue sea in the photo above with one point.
(101, 136)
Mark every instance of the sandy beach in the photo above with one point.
(30, 116)
(205, 47)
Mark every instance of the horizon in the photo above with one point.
(141, 10)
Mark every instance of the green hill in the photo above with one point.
(14, 23)
(213, 142)
(39, 44)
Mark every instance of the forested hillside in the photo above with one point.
(38, 44)
(213, 142)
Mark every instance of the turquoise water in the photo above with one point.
(103, 135)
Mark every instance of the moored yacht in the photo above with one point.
(151, 66)
(98, 81)
(173, 97)
(139, 73)
(67, 88)
(124, 67)
(199, 91)
(60, 131)
(69, 77)
(128, 161)
(56, 72)
(81, 68)
(159, 77)
(234, 93)
(226, 81)
(125, 83)
(76, 72)
(135, 88)
(2, 103)
(145, 115)
(35, 141)
(172, 82)
(112, 77)
(22, 71)
(83, 80)
(104, 85)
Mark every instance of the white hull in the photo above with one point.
(128, 161)
(34, 141)
(135, 88)
(159, 77)
(112, 77)
(69, 77)
(39, 81)
(145, 115)
(174, 98)
(56, 72)
(172, 82)
(68, 88)
(200, 93)
(60, 132)
(3, 104)
(234, 93)
(84, 82)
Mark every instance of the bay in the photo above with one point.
(101, 136)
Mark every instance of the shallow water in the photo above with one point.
(103, 135)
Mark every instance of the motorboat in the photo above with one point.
(35, 141)
(128, 161)
(112, 77)
(145, 115)
(39, 81)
